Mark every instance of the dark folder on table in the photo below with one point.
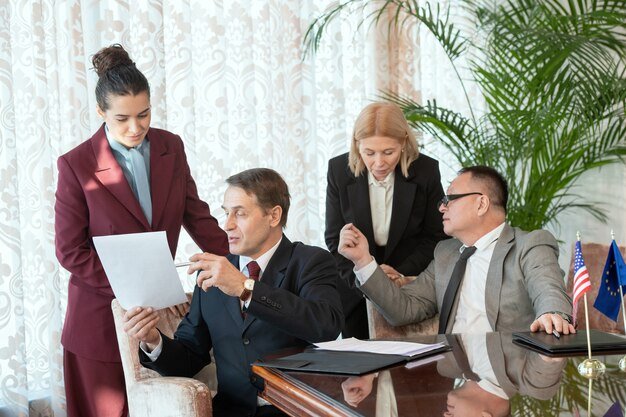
(570, 343)
(337, 362)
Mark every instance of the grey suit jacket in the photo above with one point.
(524, 281)
(516, 369)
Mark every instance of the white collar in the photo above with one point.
(262, 260)
(384, 183)
(487, 239)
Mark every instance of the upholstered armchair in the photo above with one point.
(152, 395)
(594, 255)
(380, 329)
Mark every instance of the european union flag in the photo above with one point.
(609, 300)
(615, 410)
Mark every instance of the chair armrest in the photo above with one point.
(170, 396)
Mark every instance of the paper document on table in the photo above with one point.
(379, 346)
(421, 362)
(140, 269)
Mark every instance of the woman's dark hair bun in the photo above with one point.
(117, 75)
(110, 57)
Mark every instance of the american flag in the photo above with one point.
(581, 278)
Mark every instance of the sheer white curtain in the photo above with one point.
(228, 76)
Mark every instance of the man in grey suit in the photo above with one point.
(511, 280)
(489, 369)
(486, 371)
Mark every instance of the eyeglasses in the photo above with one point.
(449, 197)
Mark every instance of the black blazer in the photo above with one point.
(296, 302)
(416, 223)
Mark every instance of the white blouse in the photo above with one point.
(381, 202)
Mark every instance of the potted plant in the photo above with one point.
(552, 75)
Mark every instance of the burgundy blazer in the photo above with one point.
(94, 198)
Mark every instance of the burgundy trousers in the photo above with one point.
(94, 388)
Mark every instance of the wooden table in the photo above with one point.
(296, 398)
(428, 390)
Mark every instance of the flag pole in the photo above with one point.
(589, 398)
(589, 368)
(586, 312)
(622, 362)
(587, 323)
(621, 292)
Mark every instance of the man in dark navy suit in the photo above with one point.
(269, 294)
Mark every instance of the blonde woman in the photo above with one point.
(390, 192)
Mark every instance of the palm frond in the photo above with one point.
(451, 128)
(315, 31)
(397, 12)
(554, 80)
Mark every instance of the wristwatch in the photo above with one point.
(564, 316)
(248, 286)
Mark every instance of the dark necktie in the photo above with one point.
(461, 358)
(254, 270)
(453, 288)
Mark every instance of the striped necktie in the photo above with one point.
(254, 270)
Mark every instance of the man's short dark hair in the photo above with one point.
(494, 182)
(267, 185)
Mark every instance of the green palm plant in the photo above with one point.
(573, 393)
(552, 76)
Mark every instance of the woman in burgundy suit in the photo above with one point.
(127, 178)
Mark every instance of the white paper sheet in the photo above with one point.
(140, 269)
(379, 346)
(424, 361)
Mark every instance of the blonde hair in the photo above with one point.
(382, 119)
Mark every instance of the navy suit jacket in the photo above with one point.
(416, 224)
(295, 303)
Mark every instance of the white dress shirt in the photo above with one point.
(386, 402)
(478, 359)
(471, 314)
(366, 272)
(381, 201)
(262, 261)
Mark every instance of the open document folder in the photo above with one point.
(140, 269)
(353, 356)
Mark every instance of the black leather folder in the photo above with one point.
(570, 344)
(344, 363)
